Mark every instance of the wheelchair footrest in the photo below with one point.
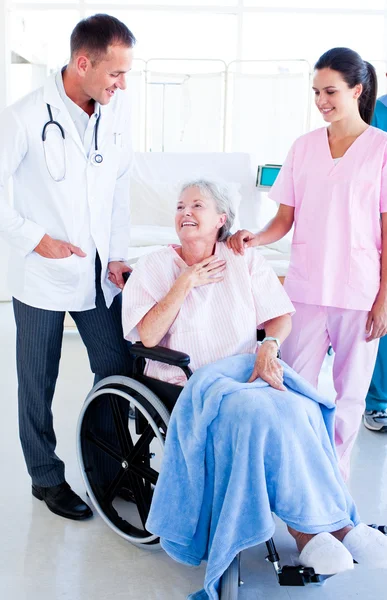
(298, 576)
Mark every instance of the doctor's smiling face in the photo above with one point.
(333, 97)
(103, 77)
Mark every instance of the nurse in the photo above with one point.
(67, 148)
(333, 188)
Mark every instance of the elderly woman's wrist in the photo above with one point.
(271, 341)
(185, 283)
(269, 346)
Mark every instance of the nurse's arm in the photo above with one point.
(377, 319)
(276, 229)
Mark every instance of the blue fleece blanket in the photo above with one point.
(236, 452)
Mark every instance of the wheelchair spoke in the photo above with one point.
(142, 443)
(114, 486)
(145, 472)
(142, 495)
(139, 458)
(121, 424)
(103, 445)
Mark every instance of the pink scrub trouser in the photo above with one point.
(313, 328)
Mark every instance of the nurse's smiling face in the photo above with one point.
(333, 97)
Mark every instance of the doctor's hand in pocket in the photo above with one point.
(50, 248)
(116, 270)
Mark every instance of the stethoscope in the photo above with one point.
(95, 158)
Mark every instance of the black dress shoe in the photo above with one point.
(62, 501)
(381, 528)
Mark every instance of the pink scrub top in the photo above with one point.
(335, 256)
(216, 320)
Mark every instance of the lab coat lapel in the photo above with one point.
(105, 126)
(60, 113)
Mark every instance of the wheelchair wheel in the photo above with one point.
(120, 457)
(229, 584)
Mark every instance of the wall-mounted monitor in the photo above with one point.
(266, 176)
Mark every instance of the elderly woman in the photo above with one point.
(202, 299)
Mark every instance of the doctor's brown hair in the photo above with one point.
(95, 34)
(354, 70)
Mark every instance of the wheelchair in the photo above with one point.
(137, 411)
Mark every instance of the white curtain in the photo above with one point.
(266, 113)
(186, 112)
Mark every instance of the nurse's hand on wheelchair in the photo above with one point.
(242, 239)
(376, 325)
(50, 248)
(268, 368)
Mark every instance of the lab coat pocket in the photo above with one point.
(61, 271)
(298, 268)
(364, 270)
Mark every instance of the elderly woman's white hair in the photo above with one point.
(220, 193)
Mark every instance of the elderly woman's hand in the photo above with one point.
(209, 270)
(267, 366)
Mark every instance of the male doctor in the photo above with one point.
(67, 148)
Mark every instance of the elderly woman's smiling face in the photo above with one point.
(196, 216)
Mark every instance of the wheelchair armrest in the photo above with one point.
(164, 355)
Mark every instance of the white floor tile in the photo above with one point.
(44, 557)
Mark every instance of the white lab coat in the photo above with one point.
(89, 208)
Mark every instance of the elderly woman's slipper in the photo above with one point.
(368, 546)
(326, 555)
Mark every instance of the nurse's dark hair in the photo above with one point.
(95, 34)
(354, 70)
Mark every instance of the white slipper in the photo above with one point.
(326, 555)
(368, 546)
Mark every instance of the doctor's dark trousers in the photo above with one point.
(38, 350)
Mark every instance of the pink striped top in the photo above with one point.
(215, 320)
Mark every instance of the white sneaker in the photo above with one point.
(326, 555)
(376, 420)
(368, 546)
